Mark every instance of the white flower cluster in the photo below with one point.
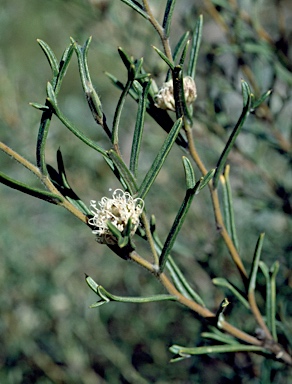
(165, 99)
(118, 211)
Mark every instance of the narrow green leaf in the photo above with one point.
(35, 192)
(41, 140)
(189, 173)
(205, 180)
(255, 263)
(259, 101)
(138, 69)
(269, 311)
(47, 114)
(177, 276)
(50, 56)
(114, 230)
(127, 60)
(222, 338)
(121, 102)
(228, 207)
(182, 351)
(159, 160)
(123, 171)
(196, 42)
(92, 97)
(51, 94)
(81, 52)
(67, 191)
(246, 93)
(164, 58)
(274, 271)
(128, 229)
(181, 215)
(106, 296)
(180, 45)
(221, 282)
(161, 116)
(184, 53)
(181, 283)
(176, 227)
(63, 66)
(246, 108)
(141, 76)
(126, 240)
(76, 131)
(168, 16)
(138, 133)
(142, 300)
(41, 107)
(137, 7)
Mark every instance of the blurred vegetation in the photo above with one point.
(47, 332)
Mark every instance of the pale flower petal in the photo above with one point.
(118, 210)
(165, 98)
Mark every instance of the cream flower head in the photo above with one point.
(165, 99)
(118, 211)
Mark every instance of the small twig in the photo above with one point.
(270, 345)
(255, 310)
(16, 156)
(160, 31)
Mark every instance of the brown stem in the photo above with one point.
(268, 341)
(202, 311)
(160, 31)
(270, 345)
(255, 310)
(216, 206)
(16, 156)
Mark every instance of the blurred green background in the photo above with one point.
(48, 334)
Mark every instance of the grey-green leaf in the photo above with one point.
(168, 16)
(138, 132)
(35, 192)
(159, 160)
(164, 58)
(196, 42)
(137, 7)
(50, 56)
(255, 263)
(230, 143)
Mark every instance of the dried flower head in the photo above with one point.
(118, 211)
(165, 99)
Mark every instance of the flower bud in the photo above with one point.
(118, 211)
(165, 98)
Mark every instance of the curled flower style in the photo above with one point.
(118, 211)
(165, 99)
